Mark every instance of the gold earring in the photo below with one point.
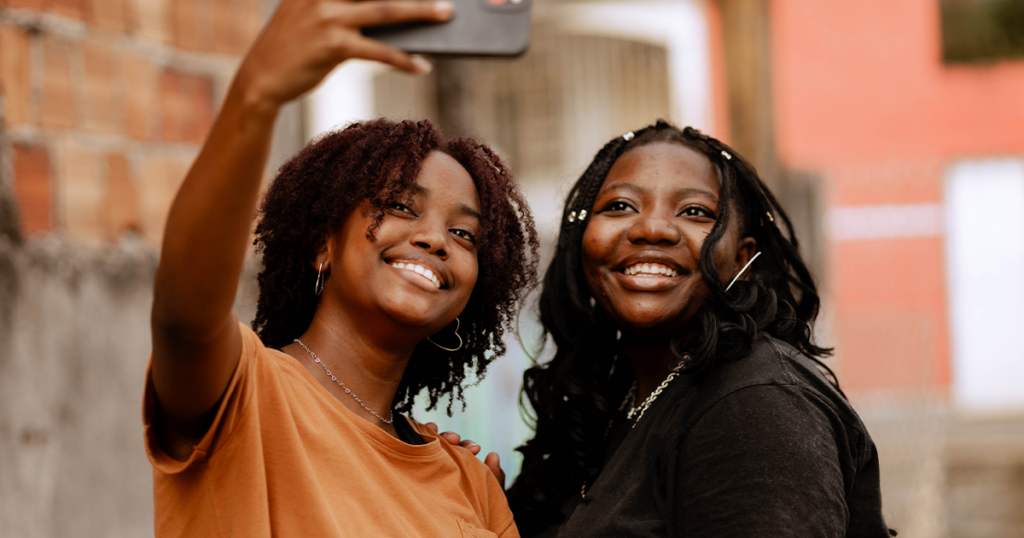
(456, 336)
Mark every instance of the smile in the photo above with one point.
(650, 270)
(419, 270)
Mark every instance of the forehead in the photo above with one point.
(664, 167)
(446, 180)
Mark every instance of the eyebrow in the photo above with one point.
(462, 209)
(681, 193)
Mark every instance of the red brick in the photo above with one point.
(57, 108)
(16, 76)
(186, 103)
(184, 24)
(122, 198)
(68, 8)
(249, 22)
(161, 178)
(32, 187)
(82, 199)
(140, 77)
(37, 5)
(109, 14)
(102, 106)
(223, 21)
(150, 20)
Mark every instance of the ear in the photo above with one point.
(746, 249)
(324, 255)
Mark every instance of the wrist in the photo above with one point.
(251, 97)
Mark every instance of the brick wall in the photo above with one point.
(105, 104)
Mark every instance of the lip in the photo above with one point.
(417, 279)
(648, 282)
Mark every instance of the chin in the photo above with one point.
(415, 313)
(649, 323)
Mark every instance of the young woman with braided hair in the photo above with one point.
(393, 262)
(685, 397)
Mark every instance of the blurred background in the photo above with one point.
(893, 131)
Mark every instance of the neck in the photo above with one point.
(651, 358)
(369, 358)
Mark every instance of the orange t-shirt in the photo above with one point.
(285, 458)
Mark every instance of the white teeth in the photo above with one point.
(420, 270)
(650, 269)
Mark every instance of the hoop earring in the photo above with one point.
(745, 267)
(318, 288)
(457, 323)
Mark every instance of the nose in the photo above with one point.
(432, 240)
(654, 230)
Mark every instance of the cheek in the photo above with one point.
(467, 271)
(592, 256)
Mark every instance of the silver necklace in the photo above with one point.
(342, 385)
(639, 410)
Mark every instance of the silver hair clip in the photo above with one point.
(628, 136)
(583, 215)
(726, 155)
(770, 217)
(745, 267)
(572, 217)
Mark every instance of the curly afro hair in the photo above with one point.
(377, 161)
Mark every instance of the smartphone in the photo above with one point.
(478, 28)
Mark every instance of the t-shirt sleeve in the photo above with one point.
(763, 461)
(233, 403)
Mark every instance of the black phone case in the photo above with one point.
(478, 28)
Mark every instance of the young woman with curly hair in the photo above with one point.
(685, 397)
(393, 262)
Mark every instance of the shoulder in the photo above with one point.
(470, 466)
(479, 484)
(775, 373)
(774, 388)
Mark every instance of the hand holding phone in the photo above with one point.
(306, 39)
(479, 28)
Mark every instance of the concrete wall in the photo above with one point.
(74, 342)
(103, 106)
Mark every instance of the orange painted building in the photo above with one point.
(863, 101)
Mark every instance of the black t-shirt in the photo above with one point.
(763, 446)
(406, 433)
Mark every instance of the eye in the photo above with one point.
(697, 211)
(400, 207)
(617, 205)
(465, 234)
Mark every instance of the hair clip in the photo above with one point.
(572, 217)
(628, 136)
(770, 217)
(726, 155)
(583, 215)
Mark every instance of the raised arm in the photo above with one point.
(196, 343)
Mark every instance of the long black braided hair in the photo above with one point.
(575, 395)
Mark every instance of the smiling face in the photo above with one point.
(642, 245)
(420, 270)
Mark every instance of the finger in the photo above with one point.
(452, 438)
(395, 11)
(471, 446)
(369, 49)
(493, 462)
(432, 426)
